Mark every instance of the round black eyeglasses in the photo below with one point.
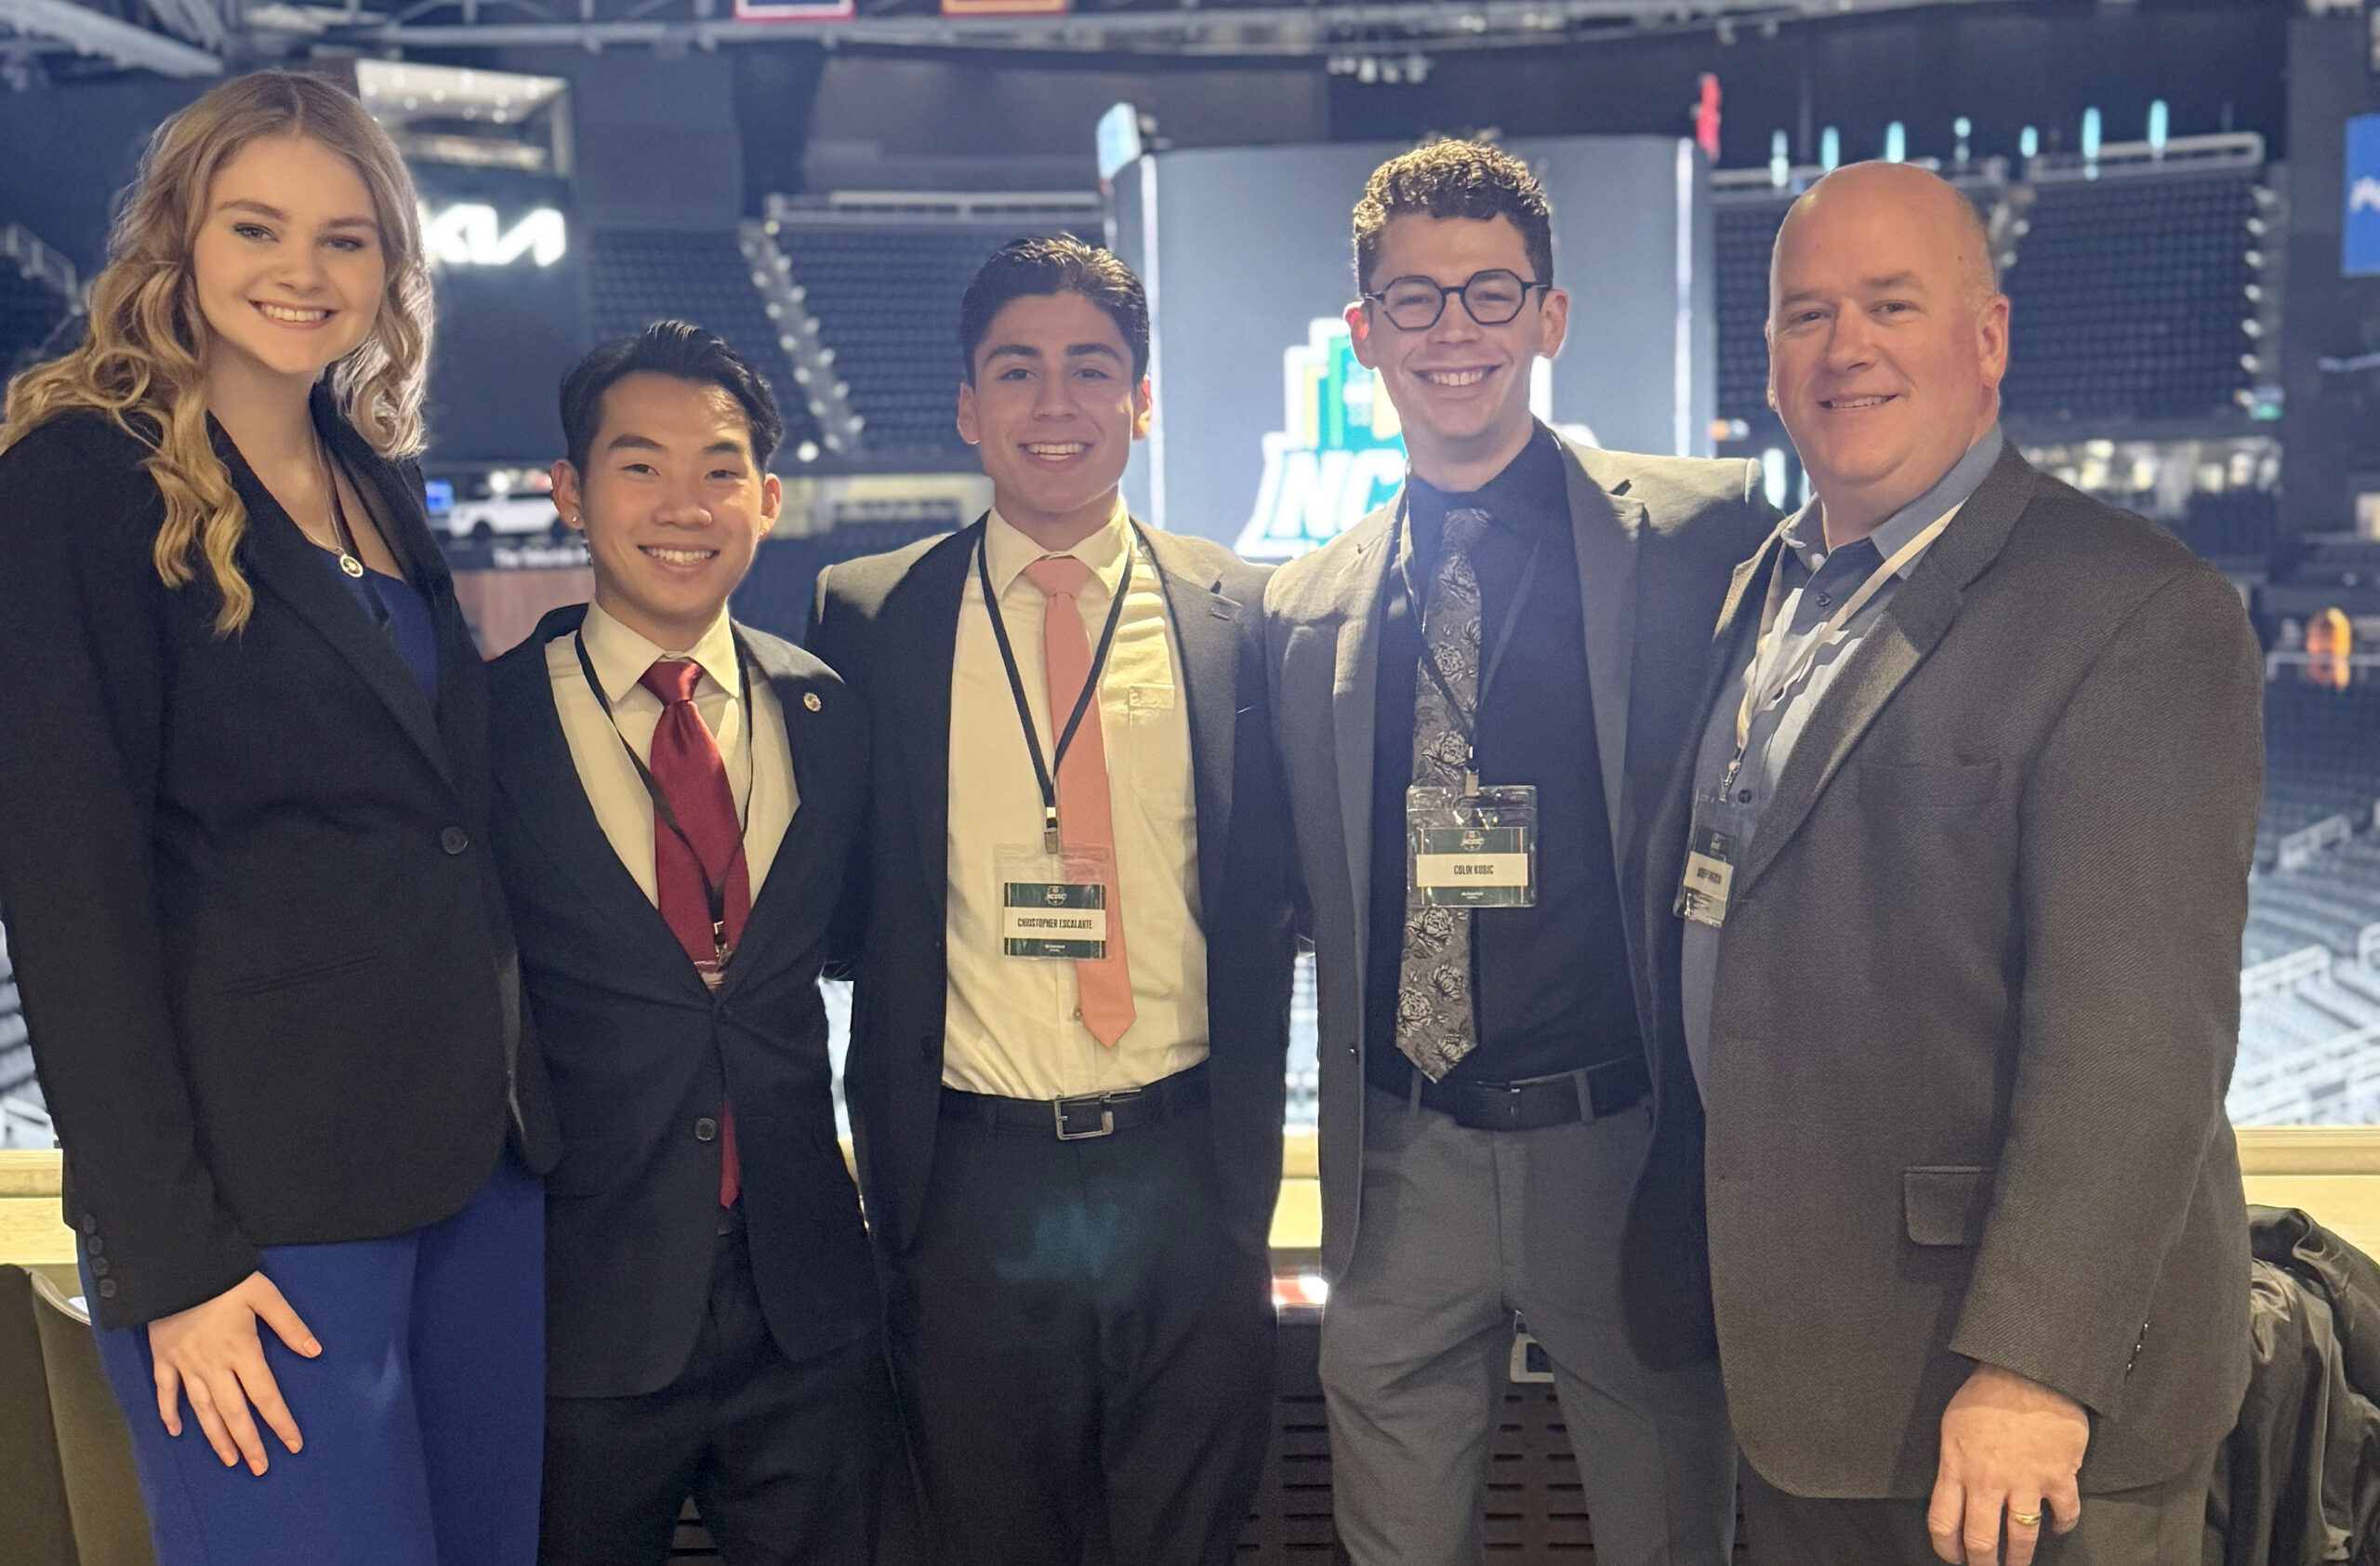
(1493, 298)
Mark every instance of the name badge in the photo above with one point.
(1710, 871)
(1471, 850)
(1054, 906)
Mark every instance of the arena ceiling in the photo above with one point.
(197, 38)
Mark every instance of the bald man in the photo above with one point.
(1949, 917)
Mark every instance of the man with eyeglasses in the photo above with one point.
(1480, 691)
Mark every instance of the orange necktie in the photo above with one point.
(1103, 986)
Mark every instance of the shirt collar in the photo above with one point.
(1008, 551)
(621, 656)
(1530, 490)
(1804, 536)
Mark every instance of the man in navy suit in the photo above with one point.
(676, 794)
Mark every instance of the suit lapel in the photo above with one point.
(920, 623)
(1355, 695)
(1205, 629)
(773, 904)
(1605, 528)
(281, 558)
(534, 768)
(1916, 619)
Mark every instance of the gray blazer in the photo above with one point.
(1976, 1002)
(1654, 538)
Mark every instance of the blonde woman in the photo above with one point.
(243, 788)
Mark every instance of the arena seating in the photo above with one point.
(636, 277)
(886, 300)
(24, 1121)
(30, 309)
(2310, 1024)
(2127, 297)
(1744, 233)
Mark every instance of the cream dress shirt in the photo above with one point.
(1013, 1027)
(760, 775)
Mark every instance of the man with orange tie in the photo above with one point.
(676, 797)
(1074, 944)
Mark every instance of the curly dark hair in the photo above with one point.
(1454, 180)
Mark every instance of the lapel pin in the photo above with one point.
(809, 699)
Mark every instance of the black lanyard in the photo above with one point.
(714, 890)
(1044, 772)
(1468, 721)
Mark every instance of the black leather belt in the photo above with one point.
(1542, 1101)
(1080, 1120)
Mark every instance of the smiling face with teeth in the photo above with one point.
(1461, 389)
(1886, 339)
(287, 267)
(1053, 409)
(672, 504)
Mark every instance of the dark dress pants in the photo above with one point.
(787, 1461)
(1084, 1357)
(2157, 1525)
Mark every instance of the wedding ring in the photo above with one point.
(2024, 1520)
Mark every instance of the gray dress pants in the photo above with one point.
(1461, 1229)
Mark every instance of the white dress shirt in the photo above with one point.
(760, 775)
(1013, 1027)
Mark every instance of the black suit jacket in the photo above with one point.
(1976, 1006)
(890, 624)
(640, 1051)
(262, 953)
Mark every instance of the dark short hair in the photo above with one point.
(1454, 180)
(677, 348)
(1054, 264)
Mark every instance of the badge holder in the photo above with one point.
(1714, 850)
(1471, 849)
(1054, 906)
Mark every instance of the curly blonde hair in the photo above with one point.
(139, 361)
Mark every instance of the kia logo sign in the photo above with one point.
(468, 234)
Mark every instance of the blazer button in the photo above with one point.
(706, 1129)
(454, 840)
(94, 1245)
(99, 1266)
(107, 1288)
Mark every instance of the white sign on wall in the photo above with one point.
(470, 235)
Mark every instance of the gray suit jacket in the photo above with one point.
(1654, 538)
(1977, 1001)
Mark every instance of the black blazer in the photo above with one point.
(263, 957)
(890, 624)
(641, 1053)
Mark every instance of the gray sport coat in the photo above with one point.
(1976, 1006)
(1654, 538)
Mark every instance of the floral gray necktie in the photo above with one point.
(1435, 1028)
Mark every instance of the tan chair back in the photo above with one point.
(94, 1447)
(33, 1518)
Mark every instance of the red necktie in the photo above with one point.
(1102, 989)
(686, 767)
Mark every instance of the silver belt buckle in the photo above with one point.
(1104, 1102)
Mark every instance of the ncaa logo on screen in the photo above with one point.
(1338, 454)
